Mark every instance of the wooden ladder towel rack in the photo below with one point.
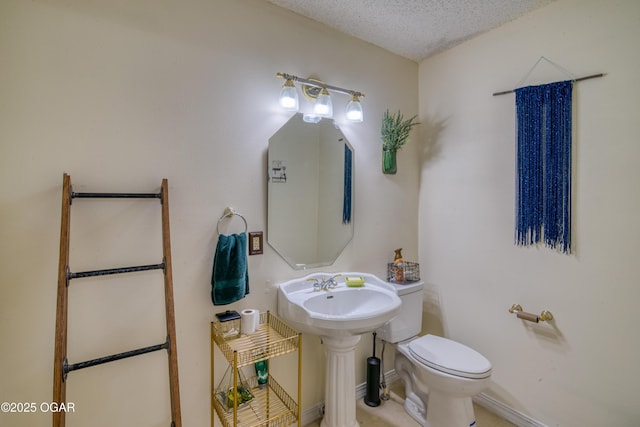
(61, 366)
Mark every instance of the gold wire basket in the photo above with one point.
(270, 405)
(411, 272)
(225, 393)
(272, 338)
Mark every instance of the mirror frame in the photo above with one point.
(306, 181)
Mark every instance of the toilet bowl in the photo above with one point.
(440, 375)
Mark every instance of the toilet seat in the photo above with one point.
(449, 356)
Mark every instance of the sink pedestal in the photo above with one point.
(340, 382)
(340, 315)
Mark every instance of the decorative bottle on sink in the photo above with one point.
(398, 267)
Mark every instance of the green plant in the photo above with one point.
(395, 130)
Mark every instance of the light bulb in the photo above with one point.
(323, 106)
(354, 110)
(289, 96)
(310, 118)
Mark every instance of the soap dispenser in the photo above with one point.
(398, 267)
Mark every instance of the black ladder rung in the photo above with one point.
(99, 361)
(94, 273)
(116, 195)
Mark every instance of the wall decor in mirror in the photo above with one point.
(310, 192)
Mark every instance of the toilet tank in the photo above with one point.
(409, 322)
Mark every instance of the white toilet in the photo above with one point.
(440, 375)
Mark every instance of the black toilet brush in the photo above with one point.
(372, 398)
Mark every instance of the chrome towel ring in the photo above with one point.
(229, 212)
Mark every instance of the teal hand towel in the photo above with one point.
(230, 278)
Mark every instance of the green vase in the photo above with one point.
(389, 162)
(262, 372)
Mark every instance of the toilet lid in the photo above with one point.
(450, 357)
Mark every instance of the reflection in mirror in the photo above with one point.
(310, 192)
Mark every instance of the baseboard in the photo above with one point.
(505, 411)
(390, 377)
(309, 415)
(315, 412)
(491, 404)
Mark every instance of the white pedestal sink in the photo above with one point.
(339, 315)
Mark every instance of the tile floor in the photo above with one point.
(391, 413)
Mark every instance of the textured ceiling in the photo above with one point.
(414, 29)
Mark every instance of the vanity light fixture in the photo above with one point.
(319, 92)
(354, 110)
(323, 106)
(289, 96)
(311, 118)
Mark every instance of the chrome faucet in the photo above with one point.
(324, 284)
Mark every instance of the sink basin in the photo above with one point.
(340, 315)
(340, 311)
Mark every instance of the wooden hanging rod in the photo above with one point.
(593, 76)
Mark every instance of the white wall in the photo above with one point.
(120, 94)
(580, 369)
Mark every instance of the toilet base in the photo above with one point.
(436, 399)
(441, 410)
(416, 408)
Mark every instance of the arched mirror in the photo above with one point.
(310, 192)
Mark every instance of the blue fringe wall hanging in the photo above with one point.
(346, 203)
(543, 199)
